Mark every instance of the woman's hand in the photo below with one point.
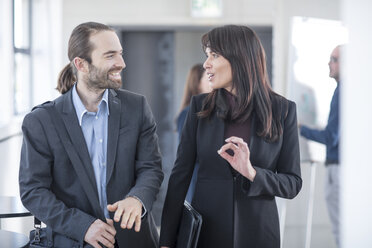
(240, 160)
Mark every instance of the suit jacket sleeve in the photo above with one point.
(286, 180)
(36, 179)
(149, 175)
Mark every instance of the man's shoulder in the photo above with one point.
(38, 114)
(40, 111)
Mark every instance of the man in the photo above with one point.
(90, 163)
(330, 137)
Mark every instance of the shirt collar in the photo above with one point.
(103, 106)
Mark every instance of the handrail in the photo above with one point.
(10, 136)
(310, 161)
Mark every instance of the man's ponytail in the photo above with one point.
(66, 79)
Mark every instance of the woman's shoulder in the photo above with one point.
(198, 100)
(282, 100)
(182, 115)
(200, 97)
(283, 105)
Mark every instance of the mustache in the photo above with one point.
(116, 68)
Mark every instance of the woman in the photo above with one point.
(246, 141)
(196, 83)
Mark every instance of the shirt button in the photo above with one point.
(96, 117)
(100, 140)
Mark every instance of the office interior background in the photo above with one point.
(161, 41)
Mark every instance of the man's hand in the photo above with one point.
(102, 232)
(129, 210)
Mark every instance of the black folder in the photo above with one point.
(190, 226)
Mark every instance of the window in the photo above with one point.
(22, 43)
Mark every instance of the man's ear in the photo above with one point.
(81, 64)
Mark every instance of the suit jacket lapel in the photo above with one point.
(113, 132)
(216, 139)
(81, 162)
(218, 130)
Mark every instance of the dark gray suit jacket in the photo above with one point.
(57, 182)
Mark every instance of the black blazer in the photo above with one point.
(63, 194)
(236, 212)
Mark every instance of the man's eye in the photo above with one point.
(215, 55)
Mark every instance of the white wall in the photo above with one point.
(356, 120)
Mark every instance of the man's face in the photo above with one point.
(334, 64)
(107, 61)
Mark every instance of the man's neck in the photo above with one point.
(89, 97)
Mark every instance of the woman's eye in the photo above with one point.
(215, 55)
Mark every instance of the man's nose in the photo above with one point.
(120, 62)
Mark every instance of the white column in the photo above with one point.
(356, 129)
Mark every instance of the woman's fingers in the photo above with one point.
(239, 141)
(228, 146)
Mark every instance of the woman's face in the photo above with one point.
(204, 86)
(218, 71)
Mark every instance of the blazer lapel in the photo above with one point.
(218, 130)
(113, 131)
(216, 139)
(80, 155)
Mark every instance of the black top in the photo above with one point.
(237, 129)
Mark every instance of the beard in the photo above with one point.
(100, 78)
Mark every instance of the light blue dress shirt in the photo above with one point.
(94, 127)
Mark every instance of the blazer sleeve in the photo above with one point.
(286, 181)
(149, 175)
(180, 178)
(36, 179)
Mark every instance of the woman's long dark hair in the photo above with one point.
(243, 49)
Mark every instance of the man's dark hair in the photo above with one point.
(80, 46)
